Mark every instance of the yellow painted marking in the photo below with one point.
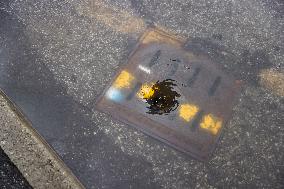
(146, 91)
(123, 80)
(211, 123)
(188, 111)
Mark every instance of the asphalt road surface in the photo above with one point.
(10, 176)
(57, 56)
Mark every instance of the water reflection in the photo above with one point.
(161, 97)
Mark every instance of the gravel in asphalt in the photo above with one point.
(10, 176)
(57, 56)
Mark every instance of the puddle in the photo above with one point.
(164, 99)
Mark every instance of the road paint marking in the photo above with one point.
(188, 111)
(146, 91)
(123, 80)
(211, 123)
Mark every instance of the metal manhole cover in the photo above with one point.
(171, 94)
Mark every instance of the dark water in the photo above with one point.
(164, 99)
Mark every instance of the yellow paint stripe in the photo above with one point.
(211, 123)
(123, 80)
(188, 111)
(146, 91)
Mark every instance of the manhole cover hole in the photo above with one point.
(171, 94)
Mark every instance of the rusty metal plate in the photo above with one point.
(172, 94)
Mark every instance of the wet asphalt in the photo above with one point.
(57, 56)
(10, 176)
